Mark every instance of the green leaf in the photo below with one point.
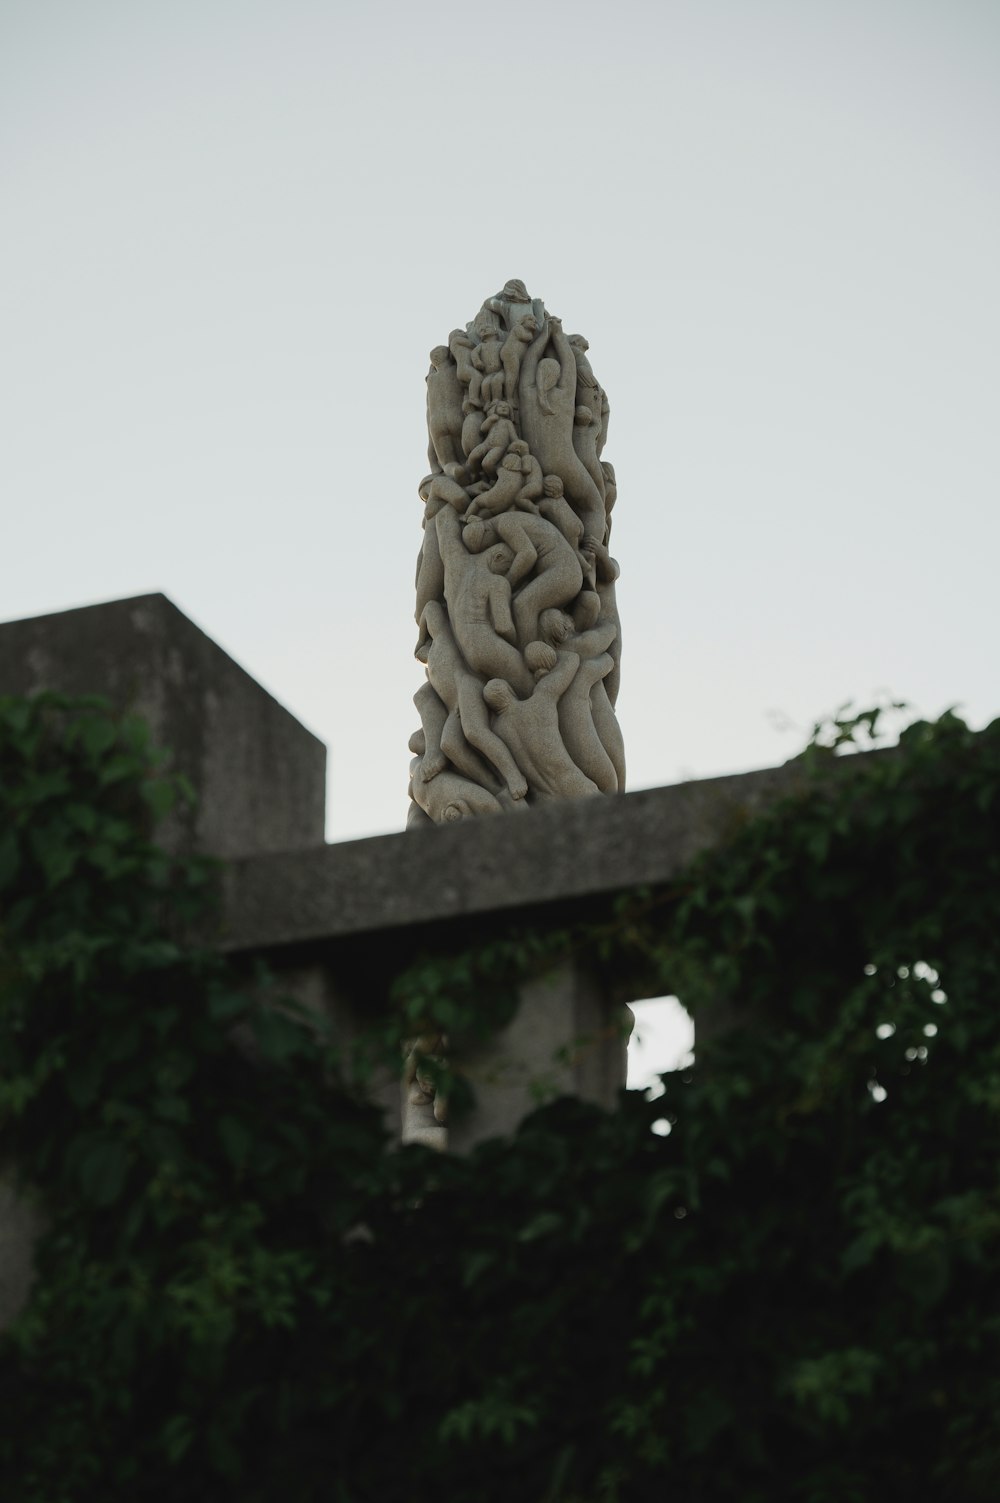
(160, 795)
(545, 1224)
(224, 1005)
(55, 857)
(96, 733)
(102, 1170)
(277, 1037)
(9, 858)
(235, 1138)
(84, 1079)
(177, 1437)
(476, 1264)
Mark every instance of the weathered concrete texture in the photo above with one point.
(20, 1224)
(565, 1039)
(259, 774)
(551, 861)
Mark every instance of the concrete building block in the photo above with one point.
(452, 883)
(259, 774)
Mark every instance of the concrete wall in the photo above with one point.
(337, 923)
(260, 775)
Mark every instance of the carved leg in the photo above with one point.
(456, 748)
(608, 729)
(433, 717)
(430, 584)
(511, 369)
(585, 747)
(493, 657)
(475, 723)
(555, 586)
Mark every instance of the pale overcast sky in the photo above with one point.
(233, 231)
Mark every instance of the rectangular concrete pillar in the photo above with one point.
(567, 1039)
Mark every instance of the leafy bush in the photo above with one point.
(243, 1293)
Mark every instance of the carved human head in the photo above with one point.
(516, 292)
(528, 325)
(459, 336)
(485, 324)
(555, 625)
(511, 462)
(586, 610)
(552, 486)
(583, 417)
(498, 694)
(540, 657)
(440, 355)
(424, 488)
(518, 446)
(476, 535)
(579, 343)
(499, 559)
(500, 409)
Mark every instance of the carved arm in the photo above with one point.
(555, 684)
(524, 550)
(565, 356)
(529, 365)
(598, 639)
(499, 603)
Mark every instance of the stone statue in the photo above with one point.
(500, 433)
(505, 491)
(467, 723)
(487, 380)
(515, 588)
(444, 411)
(530, 729)
(521, 335)
(461, 345)
(556, 575)
(548, 415)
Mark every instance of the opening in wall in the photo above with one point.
(662, 1039)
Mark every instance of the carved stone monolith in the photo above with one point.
(516, 615)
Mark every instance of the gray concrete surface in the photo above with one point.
(260, 775)
(566, 1039)
(20, 1224)
(549, 861)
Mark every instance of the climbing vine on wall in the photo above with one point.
(784, 1292)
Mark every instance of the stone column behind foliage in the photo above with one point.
(516, 614)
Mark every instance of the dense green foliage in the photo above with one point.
(791, 1295)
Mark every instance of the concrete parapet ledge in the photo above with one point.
(547, 862)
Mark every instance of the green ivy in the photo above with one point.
(785, 1292)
